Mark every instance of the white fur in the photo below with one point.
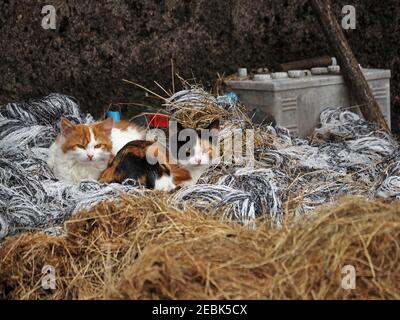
(198, 158)
(120, 137)
(197, 164)
(195, 173)
(75, 165)
(165, 183)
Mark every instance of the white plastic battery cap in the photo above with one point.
(318, 71)
(261, 77)
(242, 72)
(334, 69)
(279, 75)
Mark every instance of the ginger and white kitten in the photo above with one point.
(132, 162)
(83, 151)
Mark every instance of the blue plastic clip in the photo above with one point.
(115, 115)
(228, 99)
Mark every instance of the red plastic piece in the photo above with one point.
(158, 120)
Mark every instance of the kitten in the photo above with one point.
(83, 151)
(132, 162)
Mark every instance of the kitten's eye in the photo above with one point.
(187, 153)
(80, 146)
(97, 146)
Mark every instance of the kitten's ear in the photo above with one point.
(214, 127)
(106, 126)
(66, 127)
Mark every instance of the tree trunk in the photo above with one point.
(351, 71)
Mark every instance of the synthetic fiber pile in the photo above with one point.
(345, 156)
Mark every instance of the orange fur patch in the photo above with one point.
(101, 137)
(179, 174)
(80, 135)
(108, 175)
(124, 125)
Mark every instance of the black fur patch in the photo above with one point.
(130, 165)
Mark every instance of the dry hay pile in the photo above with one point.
(143, 248)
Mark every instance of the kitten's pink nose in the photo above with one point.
(90, 157)
(198, 161)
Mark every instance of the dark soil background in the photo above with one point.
(98, 43)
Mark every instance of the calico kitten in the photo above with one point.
(82, 151)
(132, 162)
